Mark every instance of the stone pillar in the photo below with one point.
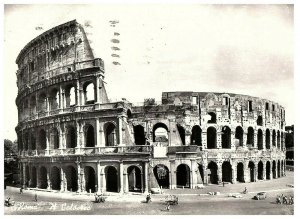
(48, 103)
(24, 174)
(62, 180)
(255, 139)
(38, 180)
(125, 182)
(101, 135)
(97, 132)
(193, 174)
(61, 98)
(79, 136)
(78, 96)
(245, 139)
(146, 166)
(264, 170)
(120, 132)
(271, 172)
(205, 176)
(79, 178)
(98, 176)
(246, 172)
(49, 186)
(187, 138)
(255, 171)
(103, 180)
(172, 175)
(234, 167)
(47, 142)
(219, 172)
(264, 140)
(98, 83)
(219, 138)
(121, 178)
(232, 139)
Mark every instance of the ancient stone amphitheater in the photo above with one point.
(72, 138)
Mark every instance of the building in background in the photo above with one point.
(289, 141)
(71, 138)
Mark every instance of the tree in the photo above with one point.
(10, 148)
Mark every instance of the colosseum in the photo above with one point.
(71, 138)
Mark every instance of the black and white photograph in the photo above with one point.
(152, 108)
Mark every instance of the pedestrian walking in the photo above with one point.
(21, 190)
(168, 207)
(35, 197)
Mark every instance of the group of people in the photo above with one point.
(282, 199)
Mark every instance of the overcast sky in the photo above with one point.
(223, 48)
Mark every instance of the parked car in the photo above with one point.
(260, 196)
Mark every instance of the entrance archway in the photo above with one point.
(111, 174)
(211, 138)
(239, 135)
(183, 176)
(259, 139)
(196, 138)
(260, 170)
(71, 175)
(161, 173)
(226, 172)
(274, 169)
(278, 169)
(89, 136)
(43, 178)
(213, 175)
(139, 135)
(268, 170)
(55, 178)
(226, 137)
(134, 179)
(90, 179)
(240, 172)
(33, 177)
(251, 167)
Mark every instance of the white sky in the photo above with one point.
(171, 47)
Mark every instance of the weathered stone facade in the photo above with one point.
(71, 138)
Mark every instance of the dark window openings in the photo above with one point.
(250, 109)
(250, 136)
(196, 137)
(273, 107)
(259, 120)
(226, 101)
(211, 138)
(31, 67)
(213, 118)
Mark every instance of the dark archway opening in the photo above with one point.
(250, 137)
(278, 169)
(71, 175)
(161, 173)
(90, 179)
(139, 135)
(111, 179)
(259, 120)
(259, 139)
(43, 178)
(226, 137)
(239, 135)
(196, 137)
(181, 134)
(213, 118)
(251, 167)
(211, 138)
(90, 136)
(274, 169)
(226, 172)
(33, 178)
(268, 170)
(134, 179)
(260, 170)
(55, 178)
(212, 173)
(240, 172)
(183, 176)
(273, 138)
(268, 140)
(71, 137)
(42, 139)
(110, 135)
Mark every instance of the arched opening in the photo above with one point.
(110, 134)
(90, 179)
(274, 169)
(54, 139)
(278, 169)
(27, 174)
(251, 167)
(268, 140)
(268, 170)
(211, 138)
(160, 133)
(89, 93)
(26, 140)
(42, 139)
(55, 178)
(250, 137)
(226, 137)
(42, 107)
(260, 170)
(196, 137)
(183, 176)
(89, 136)
(71, 176)
(32, 141)
(134, 179)
(181, 133)
(139, 135)
(273, 138)
(33, 177)
(239, 135)
(278, 140)
(213, 118)
(54, 99)
(111, 174)
(259, 120)
(70, 95)
(226, 172)
(212, 173)
(240, 172)
(161, 173)
(71, 137)
(259, 139)
(43, 178)
(33, 105)
(129, 114)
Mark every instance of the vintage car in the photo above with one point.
(260, 196)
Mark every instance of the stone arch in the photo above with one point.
(111, 175)
(278, 139)
(226, 172)
(268, 170)
(89, 92)
(251, 167)
(274, 169)
(183, 176)
(259, 121)
(33, 109)
(273, 138)
(139, 135)
(110, 134)
(213, 172)
(196, 137)
(70, 95)
(71, 140)
(72, 178)
(211, 138)
(55, 178)
(240, 172)
(259, 139)
(213, 117)
(239, 135)
(268, 139)
(160, 133)
(250, 136)
(54, 99)
(43, 178)
(42, 139)
(54, 139)
(90, 179)
(134, 179)
(33, 177)
(181, 131)
(42, 102)
(260, 170)
(278, 169)
(161, 173)
(226, 137)
(89, 136)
